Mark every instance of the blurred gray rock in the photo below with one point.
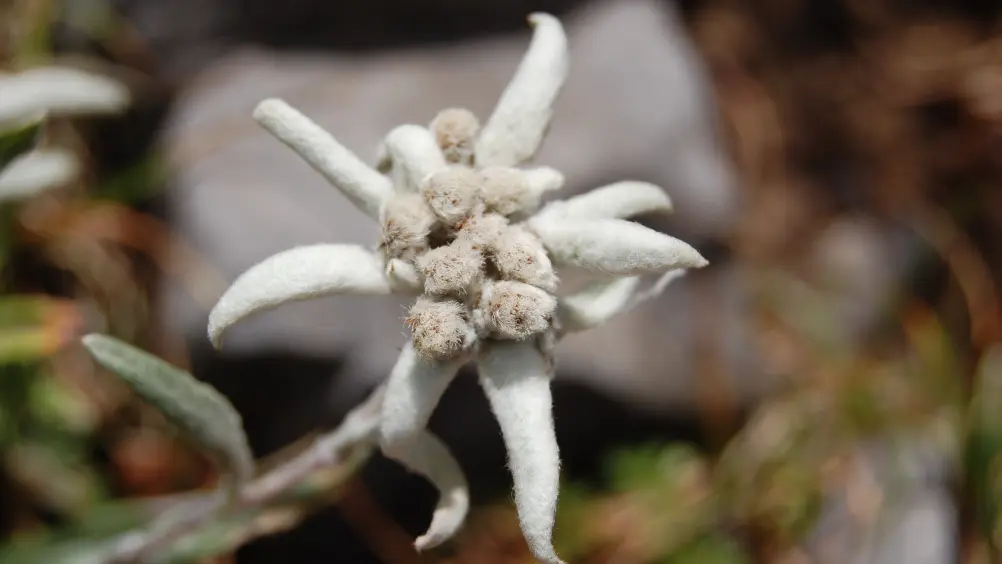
(636, 105)
(898, 509)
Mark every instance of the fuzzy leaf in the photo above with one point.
(198, 409)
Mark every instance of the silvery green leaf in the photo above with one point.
(196, 408)
(18, 137)
(35, 172)
(60, 91)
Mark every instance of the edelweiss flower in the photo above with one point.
(460, 232)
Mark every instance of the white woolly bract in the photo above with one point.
(515, 130)
(596, 304)
(543, 179)
(513, 310)
(403, 277)
(614, 246)
(519, 255)
(615, 201)
(455, 131)
(601, 301)
(453, 194)
(59, 91)
(516, 377)
(362, 185)
(440, 329)
(37, 171)
(413, 389)
(406, 221)
(300, 273)
(451, 269)
(409, 154)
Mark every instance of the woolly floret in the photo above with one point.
(451, 269)
(452, 194)
(407, 220)
(439, 329)
(513, 310)
(455, 131)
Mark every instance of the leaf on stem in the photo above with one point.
(198, 409)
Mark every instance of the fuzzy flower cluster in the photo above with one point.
(483, 277)
(463, 230)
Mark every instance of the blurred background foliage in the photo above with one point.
(831, 109)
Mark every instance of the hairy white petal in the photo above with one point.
(37, 171)
(300, 273)
(365, 187)
(409, 153)
(515, 130)
(59, 91)
(412, 391)
(614, 246)
(516, 379)
(615, 201)
(600, 301)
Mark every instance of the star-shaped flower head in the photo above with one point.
(462, 231)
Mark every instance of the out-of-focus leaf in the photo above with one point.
(770, 473)
(983, 453)
(59, 91)
(649, 466)
(198, 409)
(54, 476)
(18, 137)
(709, 549)
(35, 172)
(136, 183)
(81, 550)
(663, 502)
(34, 327)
